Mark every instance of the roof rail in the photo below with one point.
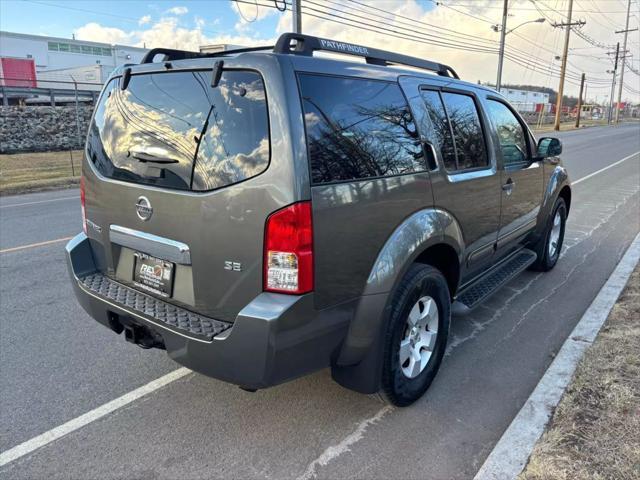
(298, 44)
(171, 54)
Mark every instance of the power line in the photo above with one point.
(524, 9)
(477, 17)
(399, 33)
(522, 55)
(434, 37)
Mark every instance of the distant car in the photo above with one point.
(264, 214)
(595, 116)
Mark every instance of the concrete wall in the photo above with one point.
(42, 129)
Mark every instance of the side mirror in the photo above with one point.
(549, 147)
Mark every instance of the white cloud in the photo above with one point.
(97, 33)
(144, 20)
(177, 10)
(165, 32)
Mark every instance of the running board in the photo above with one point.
(485, 286)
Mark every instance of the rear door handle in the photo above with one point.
(508, 187)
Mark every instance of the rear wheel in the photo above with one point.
(416, 334)
(550, 245)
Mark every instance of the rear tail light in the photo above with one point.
(288, 250)
(82, 207)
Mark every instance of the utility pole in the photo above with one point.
(503, 34)
(563, 68)
(613, 84)
(296, 10)
(580, 101)
(624, 56)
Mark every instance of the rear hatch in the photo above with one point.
(175, 200)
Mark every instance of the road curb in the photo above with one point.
(510, 455)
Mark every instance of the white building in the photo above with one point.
(525, 100)
(219, 47)
(53, 53)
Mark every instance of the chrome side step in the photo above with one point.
(482, 288)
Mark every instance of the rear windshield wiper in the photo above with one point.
(147, 157)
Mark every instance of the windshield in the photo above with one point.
(172, 129)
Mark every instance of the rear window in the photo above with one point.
(358, 129)
(172, 129)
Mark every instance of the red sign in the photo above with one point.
(17, 72)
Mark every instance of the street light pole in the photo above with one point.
(503, 34)
(296, 10)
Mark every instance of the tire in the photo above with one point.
(405, 378)
(547, 249)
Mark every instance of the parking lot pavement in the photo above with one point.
(39, 217)
(56, 364)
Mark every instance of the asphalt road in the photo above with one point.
(56, 363)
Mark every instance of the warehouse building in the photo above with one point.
(52, 53)
(52, 67)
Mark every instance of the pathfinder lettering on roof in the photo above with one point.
(344, 47)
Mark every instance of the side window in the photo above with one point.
(438, 126)
(467, 131)
(358, 129)
(512, 136)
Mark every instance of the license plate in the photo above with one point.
(153, 274)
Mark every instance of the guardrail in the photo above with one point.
(49, 90)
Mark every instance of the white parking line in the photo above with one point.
(40, 201)
(89, 417)
(603, 169)
(510, 455)
(33, 245)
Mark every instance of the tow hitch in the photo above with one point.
(142, 337)
(134, 333)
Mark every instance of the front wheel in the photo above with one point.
(549, 246)
(416, 335)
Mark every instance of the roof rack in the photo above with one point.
(298, 44)
(171, 54)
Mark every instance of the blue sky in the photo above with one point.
(63, 17)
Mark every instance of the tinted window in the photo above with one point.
(149, 133)
(439, 132)
(358, 129)
(467, 131)
(512, 136)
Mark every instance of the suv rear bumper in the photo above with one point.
(273, 339)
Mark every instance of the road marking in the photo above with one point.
(335, 451)
(40, 201)
(34, 245)
(603, 169)
(89, 417)
(511, 453)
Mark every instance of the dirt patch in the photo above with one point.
(30, 172)
(595, 431)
